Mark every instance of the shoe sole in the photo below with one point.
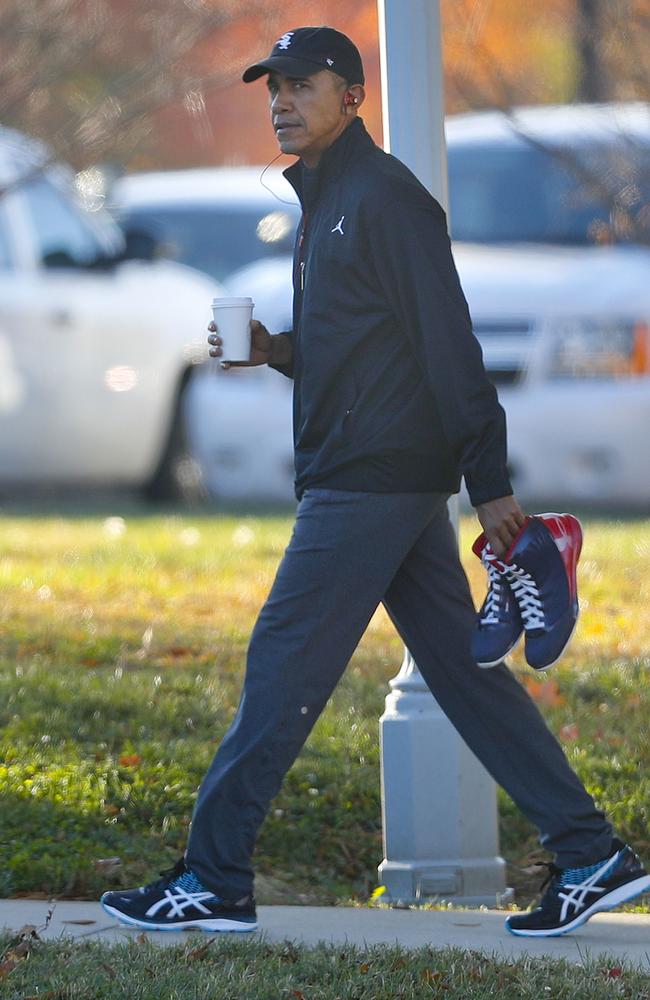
(485, 665)
(217, 925)
(615, 898)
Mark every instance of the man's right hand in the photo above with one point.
(261, 346)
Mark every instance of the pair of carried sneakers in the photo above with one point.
(533, 589)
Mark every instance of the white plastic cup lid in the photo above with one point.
(232, 302)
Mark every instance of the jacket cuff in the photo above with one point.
(497, 487)
(284, 369)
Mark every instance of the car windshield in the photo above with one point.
(215, 239)
(541, 194)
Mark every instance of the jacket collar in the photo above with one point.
(352, 142)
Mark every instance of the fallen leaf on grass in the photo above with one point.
(28, 931)
(544, 692)
(18, 949)
(289, 953)
(429, 976)
(198, 953)
(570, 732)
(533, 869)
(130, 760)
(614, 973)
(107, 865)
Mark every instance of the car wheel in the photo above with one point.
(179, 475)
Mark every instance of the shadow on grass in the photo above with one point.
(78, 503)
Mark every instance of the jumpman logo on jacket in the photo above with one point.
(338, 228)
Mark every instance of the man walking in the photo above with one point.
(391, 407)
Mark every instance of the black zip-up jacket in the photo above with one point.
(390, 392)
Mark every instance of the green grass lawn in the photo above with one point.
(122, 645)
(227, 969)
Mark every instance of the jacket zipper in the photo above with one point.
(301, 261)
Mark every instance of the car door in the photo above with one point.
(27, 376)
(76, 348)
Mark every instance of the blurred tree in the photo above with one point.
(592, 82)
(88, 75)
(156, 83)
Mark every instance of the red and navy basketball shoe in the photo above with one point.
(532, 589)
(179, 902)
(542, 563)
(499, 623)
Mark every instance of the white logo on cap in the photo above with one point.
(285, 41)
(330, 62)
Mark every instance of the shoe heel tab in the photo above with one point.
(479, 545)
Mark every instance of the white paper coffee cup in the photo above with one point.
(233, 319)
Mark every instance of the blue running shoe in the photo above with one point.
(541, 572)
(575, 894)
(179, 902)
(499, 623)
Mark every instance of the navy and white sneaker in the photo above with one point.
(575, 894)
(541, 571)
(179, 902)
(499, 623)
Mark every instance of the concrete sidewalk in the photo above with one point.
(623, 936)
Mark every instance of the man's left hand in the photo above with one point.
(501, 521)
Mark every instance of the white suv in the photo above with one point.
(217, 219)
(98, 349)
(550, 212)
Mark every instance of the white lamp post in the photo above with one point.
(438, 802)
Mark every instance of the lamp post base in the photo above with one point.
(462, 882)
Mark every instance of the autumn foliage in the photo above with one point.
(157, 84)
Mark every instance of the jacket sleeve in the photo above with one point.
(413, 259)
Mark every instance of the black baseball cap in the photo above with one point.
(305, 51)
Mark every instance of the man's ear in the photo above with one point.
(354, 97)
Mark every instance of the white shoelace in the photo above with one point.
(528, 598)
(494, 600)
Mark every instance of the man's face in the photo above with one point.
(307, 113)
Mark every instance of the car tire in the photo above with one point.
(179, 474)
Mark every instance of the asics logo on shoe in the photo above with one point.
(178, 901)
(577, 898)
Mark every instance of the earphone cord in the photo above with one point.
(270, 190)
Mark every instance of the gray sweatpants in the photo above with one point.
(350, 551)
